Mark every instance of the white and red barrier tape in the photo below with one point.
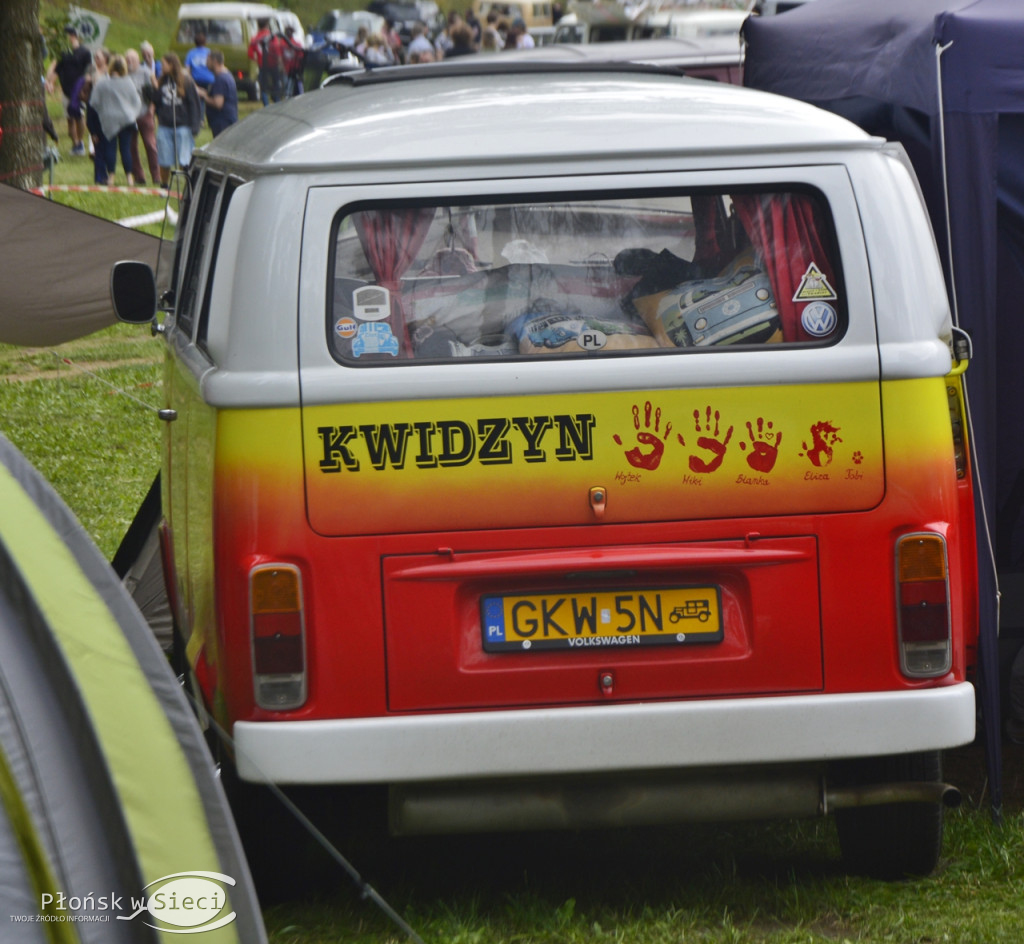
(99, 188)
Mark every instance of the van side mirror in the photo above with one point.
(133, 292)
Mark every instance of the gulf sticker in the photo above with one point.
(814, 286)
(345, 327)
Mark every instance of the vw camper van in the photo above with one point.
(603, 466)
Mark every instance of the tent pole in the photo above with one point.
(997, 813)
(939, 50)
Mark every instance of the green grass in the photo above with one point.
(94, 435)
(778, 883)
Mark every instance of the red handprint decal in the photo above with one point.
(711, 442)
(650, 459)
(823, 437)
(764, 445)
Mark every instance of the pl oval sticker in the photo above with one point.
(819, 319)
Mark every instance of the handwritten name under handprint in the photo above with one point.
(764, 445)
(823, 437)
(650, 457)
(712, 443)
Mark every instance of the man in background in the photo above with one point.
(68, 69)
(196, 62)
(222, 96)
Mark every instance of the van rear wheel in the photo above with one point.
(894, 840)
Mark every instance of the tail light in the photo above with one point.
(922, 587)
(278, 627)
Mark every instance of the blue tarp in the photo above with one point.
(877, 62)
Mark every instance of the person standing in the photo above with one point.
(222, 96)
(462, 41)
(197, 62)
(178, 115)
(393, 41)
(265, 49)
(144, 124)
(419, 44)
(149, 60)
(117, 104)
(69, 70)
(294, 63)
(95, 74)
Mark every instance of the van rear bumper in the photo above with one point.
(643, 736)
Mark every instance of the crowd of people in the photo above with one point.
(461, 35)
(114, 101)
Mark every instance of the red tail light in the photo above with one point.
(277, 623)
(923, 603)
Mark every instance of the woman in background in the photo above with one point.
(116, 103)
(179, 117)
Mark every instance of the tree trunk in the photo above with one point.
(22, 102)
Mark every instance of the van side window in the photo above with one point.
(635, 274)
(204, 315)
(205, 201)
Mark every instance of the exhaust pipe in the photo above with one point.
(911, 791)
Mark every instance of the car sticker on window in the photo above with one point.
(346, 328)
(819, 319)
(814, 286)
(375, 338)
(371, 303)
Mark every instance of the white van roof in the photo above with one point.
(663, 51)
(385, 122)
(224, 11)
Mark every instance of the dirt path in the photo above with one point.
(54, 373)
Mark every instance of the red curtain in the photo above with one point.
(784, 230)
(390, 240)
(714, 249)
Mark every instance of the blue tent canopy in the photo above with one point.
(946, 79)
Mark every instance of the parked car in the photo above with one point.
(405, 15)
(602, 466)
(342, 26)
(594, 22)
(230, 28)
(333, 33)
(535, 14)
(773, 7)
(718, 59)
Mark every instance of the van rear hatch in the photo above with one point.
(592, 618)
(530, 394)
(467, 630)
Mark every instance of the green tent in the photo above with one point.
(113, 824)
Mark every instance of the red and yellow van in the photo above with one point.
(588, 452)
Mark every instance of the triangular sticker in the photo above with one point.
(814, 287)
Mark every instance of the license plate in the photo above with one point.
(609, 619)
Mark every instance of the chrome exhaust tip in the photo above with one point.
(913, 791)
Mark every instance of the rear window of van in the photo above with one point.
(626, 275)
(216, 30)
